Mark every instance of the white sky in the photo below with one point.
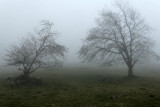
(72, 19)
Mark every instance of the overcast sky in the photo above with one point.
(71, 18)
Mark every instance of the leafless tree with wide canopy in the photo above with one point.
(119, 37)
(38, 49)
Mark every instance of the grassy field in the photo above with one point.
(84, 87)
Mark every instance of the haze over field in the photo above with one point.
(101, 33)
(71, 18)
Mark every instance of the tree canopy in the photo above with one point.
(38, 49)
(120, 36)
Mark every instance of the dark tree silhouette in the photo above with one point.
(38, 49)
(120, 36)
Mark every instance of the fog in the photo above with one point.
(71, 18)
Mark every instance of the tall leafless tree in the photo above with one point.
(38, 49)
(120, 36)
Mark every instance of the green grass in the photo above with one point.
(82, 87)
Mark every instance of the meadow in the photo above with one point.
(84, 87)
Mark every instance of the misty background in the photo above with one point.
(71, 18)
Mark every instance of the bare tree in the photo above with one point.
(119, 37)
(38, 49)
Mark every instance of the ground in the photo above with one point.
(84, 87)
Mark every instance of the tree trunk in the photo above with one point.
(26, 74)
(130, 71)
